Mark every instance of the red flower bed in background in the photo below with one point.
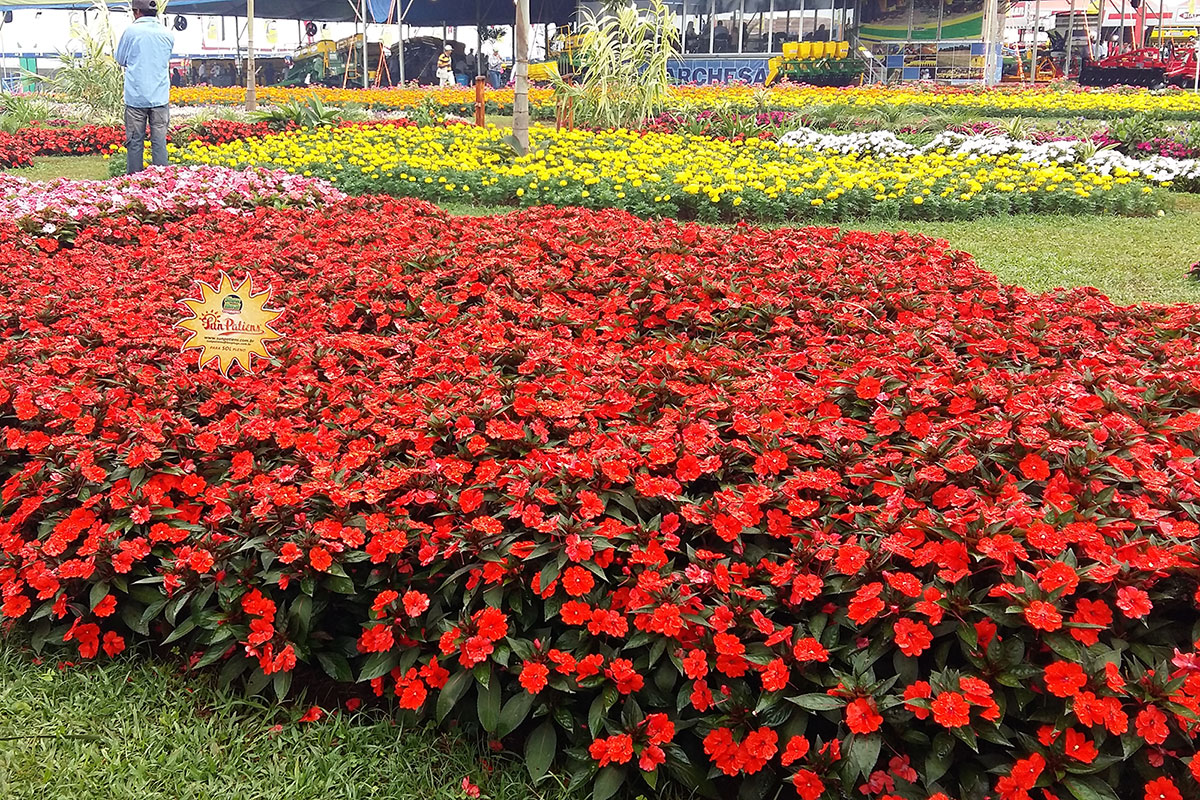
(635, 497)
(63, 138)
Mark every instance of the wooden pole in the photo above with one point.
(480, 107)
(251, 88)
(521, 75)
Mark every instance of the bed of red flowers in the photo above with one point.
(64, 138)
(649, 502)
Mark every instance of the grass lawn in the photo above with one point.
(75, 167)
(131, 729)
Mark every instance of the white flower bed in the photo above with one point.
(884, 143)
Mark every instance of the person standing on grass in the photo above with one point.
(145, 53)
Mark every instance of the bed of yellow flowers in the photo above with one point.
(655, 174)
(1000, 101)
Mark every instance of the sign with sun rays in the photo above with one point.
(229, 324)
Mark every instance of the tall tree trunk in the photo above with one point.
(521, 75)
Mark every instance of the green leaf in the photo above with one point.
(937, 762)
(97, 594)
(515, 710)
(488, 705)
(184, 629)
(608, 781)
(211, 656)
(339, 584)
(1088, 788)
(1065, 646)
(378, 665)
(336, 666)
(451, 692)
(281, 684)
(599, 709)
(863, 753)
(539, 750)
(816, 702)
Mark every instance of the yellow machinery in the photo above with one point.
(560, 62)
(816, 63)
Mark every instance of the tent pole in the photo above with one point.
(1121, 42)
(1037, 18)
(365, 70)
(400, 38)
(251, 89)
(1070, 39)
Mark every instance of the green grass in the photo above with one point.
(1131, 260)
(74, 167)
(130, 729)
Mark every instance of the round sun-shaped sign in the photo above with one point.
(229, 324)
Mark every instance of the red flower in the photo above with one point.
(809, 649)
(775, 676)
(1024, 774)
(757, 749)
(722, 750)
(1134, 602)
(1079, 747)
(1064, 678)
(951, 710)
(313, 714)
(320, 559)
(15, 605)
(808, 785)
(796, 749)
(1162, 789)
(533, 676)
(475, 650)
(866, 605)
(113, 644)
(613, 750)
(577, 581)
(862, 716)
(651, 757)
(913, 638)
(621, 671)
(1090, 612)
(1043, 616)
(867, 387)
(1035, 468)
(917, 425)
(415, 603)
(491, 624)
(695, 664)
(659, 728)
(918, 691)
(376, 639)
(1151, 725)
(411, 690)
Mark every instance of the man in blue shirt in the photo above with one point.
(145, 53)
